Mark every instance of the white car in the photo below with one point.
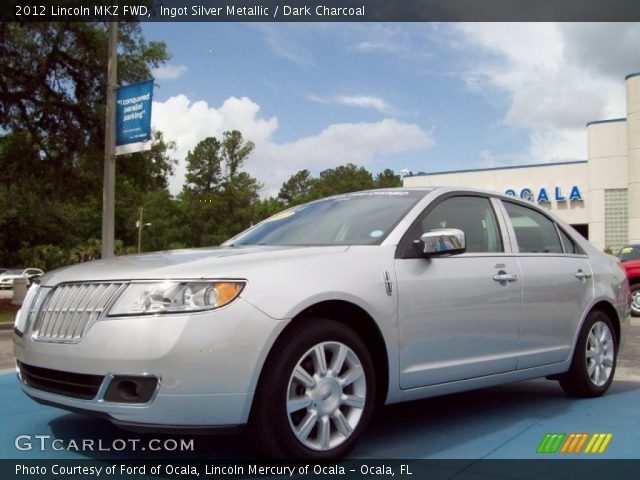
(8, 276)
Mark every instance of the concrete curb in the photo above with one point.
(6, 326)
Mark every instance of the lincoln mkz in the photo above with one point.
(299, 326)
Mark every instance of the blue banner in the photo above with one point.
(133, 117)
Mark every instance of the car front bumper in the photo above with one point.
(207, 365)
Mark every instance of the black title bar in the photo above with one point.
(346, 470)
(322, 10)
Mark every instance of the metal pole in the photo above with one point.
(109, 190)
(140, 230)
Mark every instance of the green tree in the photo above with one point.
(343, 179)
(53, 85)
(388, 179)
(169, 225)
(45, 257)
(266, 207)
(52, 96)
(303, 187)
(218, 198)
(297, 189)
(204, 167)
(137, 176)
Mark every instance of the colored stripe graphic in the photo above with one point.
(598, 443)
(573, 443)
(551, 442)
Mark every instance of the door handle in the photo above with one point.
(505, 277)
(582, 275)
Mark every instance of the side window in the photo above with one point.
(535, 233)
(568, 244)
(473, 215)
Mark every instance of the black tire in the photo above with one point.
(635, 300)
(579, 380)
(272, 425)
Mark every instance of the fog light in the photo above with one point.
(128, 389)
(131, 389)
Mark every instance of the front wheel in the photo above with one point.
(316, 394)
(594, 359)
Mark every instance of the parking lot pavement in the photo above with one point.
(506, 422)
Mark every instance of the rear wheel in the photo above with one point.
(635, 300)
(594, 359)
(316, 394)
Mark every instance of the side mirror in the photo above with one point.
(441, 242)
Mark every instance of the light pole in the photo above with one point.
(109, 187)
(140, 226)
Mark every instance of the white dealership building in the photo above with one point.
(599, 196)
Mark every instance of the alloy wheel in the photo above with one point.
(600, 353)
(635, 301)
(326, 396)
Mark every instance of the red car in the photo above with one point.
(632, 267)
(630, 260)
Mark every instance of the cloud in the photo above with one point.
(555, 77)
(362, 101)
(169, 72)
(378, 38)
(187, 123)
(284, 41)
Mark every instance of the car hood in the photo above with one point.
(214, 262)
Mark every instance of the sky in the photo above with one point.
(424, 97)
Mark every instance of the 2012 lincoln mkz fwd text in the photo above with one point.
(298, 326)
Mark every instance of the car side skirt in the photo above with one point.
(477, 383)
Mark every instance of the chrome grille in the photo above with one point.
(70, 308)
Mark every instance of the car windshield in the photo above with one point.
(632, 252)
(361, 218)
(15, 271)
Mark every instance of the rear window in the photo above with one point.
(535, 232)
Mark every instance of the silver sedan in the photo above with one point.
(298, 326)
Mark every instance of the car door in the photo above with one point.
(558, 286)
(459, 316)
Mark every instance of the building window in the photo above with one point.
(616, 218)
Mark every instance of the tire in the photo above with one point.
(594, 359)
(308, 409)
(635, 300)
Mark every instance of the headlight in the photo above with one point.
(175, 297)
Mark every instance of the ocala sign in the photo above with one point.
(543, 195)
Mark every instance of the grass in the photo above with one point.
(7, 311)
